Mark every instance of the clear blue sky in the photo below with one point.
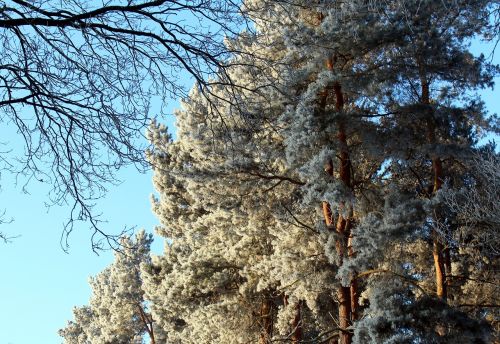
(39, 283)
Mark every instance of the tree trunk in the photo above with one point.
(439, 267)
(437, 169)
(297, 324)
(344, 227)
(344, 298)
(266, 321)
(296, 333)
(347, 296)
(147, 321)
(343, 293)
(438, 250)
(354, 285)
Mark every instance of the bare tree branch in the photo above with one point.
(77, 82)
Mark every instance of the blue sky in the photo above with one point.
(40, 283)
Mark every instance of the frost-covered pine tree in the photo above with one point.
(117, 312)
(228, 254)
(357, 132)
(395, 97)
(327, 202)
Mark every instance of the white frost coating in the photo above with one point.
(241, 189)
(113, 314)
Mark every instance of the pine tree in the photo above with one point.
(329, 201)
(117, 311)
(348, 77)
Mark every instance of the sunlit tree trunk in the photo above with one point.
(347, 296)
(343, 293)
(438, 249)
(266, 320)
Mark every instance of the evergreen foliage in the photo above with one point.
(348, 200)
(117, 311)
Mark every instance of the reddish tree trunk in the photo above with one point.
(347, 296)
(439, 267)
(345, 173)
(438, 250)
(343, 293)
(296, 331)
(266, 320)
(297, 324)
(437, 170)
(327, 213)
(344, 298)
(354, 284)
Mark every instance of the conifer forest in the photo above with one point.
(330, 184)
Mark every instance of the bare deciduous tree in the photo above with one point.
(477, 207)
(77, 79)
(3, 236)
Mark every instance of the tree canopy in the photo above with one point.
(358, 207)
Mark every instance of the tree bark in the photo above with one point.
(147, 321)
(439, 267)
(266, 321)
(347, 296)
(344, 294)
(354, 284)
(297, 324)
(437, 170)
(438, 250)
(296, 333)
